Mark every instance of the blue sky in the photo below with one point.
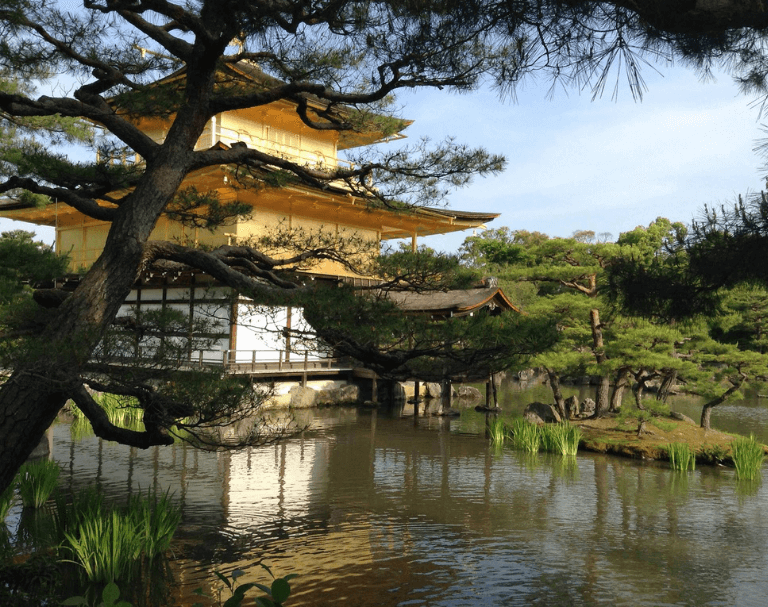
(605, 165)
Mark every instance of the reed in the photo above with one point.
(6, 500)
(681, 457)
(36, 482)
(497, 431)
(562, 438)
(748, 457)
(116, 544)
(526, 436)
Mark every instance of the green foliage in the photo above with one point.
(526, 436)
(714, 454)
(109, 598)
(275, 594)
(116, 544)
(497, 430)
(6, 501)
(681, 456)
(748, 456)
(562, 438)
(36, 482)
(24, 260)
(204, 210)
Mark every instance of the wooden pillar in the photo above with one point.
(374, 389)
(416, 389)
(488, 391)
(414, 244)
(445, 394)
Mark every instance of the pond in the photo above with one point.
(378, 507)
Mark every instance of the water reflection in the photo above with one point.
(373, 508)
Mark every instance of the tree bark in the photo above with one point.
(706, 410)
(39, 385)
(554, 383)
(603, 388)
(622, 380)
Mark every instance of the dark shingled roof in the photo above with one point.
(458, 302)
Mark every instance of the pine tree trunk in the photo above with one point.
(554, 383)
(604, 387)
(622, 380)
(602, 400)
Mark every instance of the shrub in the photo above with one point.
(748, 457)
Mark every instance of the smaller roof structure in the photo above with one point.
(457, 302)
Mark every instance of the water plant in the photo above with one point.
(681, 457)
(6, 500)
(110, 597)
(113, 543)
(497, 431)
(275, 594)
(747, 456)
(526, 436)
(36, 481)
(562, 438)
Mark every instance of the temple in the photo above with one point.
(247, 333)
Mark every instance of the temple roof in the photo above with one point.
(458, 302)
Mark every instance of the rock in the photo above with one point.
(303, 398)
(468, 392)
(450, 412)
(547, 413)
(432, 390)
(338, 396)
(682, 418)
(532, 418)
(587, 406)
(572, 407)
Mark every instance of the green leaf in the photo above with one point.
(264, 588)
(223, 578)
(110, 594)
(75, 600)
(234, 601)
(281, 590)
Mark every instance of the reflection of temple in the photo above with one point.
(244, 333)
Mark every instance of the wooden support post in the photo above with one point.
(416, 389)
(445, 396)
(201, 358)
(488, 391)
(253, 361)
(374, 389)
(304, 374)
(280, 361)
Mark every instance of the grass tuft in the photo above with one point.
(562, 438)
(681, 457)
(497, 431)
(6, 501)
(116, 544)
(526, 436)
(36, 482)
(748, 457)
